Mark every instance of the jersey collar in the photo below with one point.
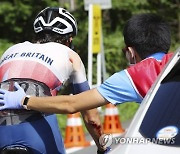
(157, 56)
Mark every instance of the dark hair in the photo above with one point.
(148, 34)
(49, 36)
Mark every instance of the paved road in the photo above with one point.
(92, 149)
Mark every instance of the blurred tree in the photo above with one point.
(17, 18)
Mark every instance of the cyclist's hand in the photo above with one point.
(108, 149)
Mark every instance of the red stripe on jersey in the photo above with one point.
(30, 70)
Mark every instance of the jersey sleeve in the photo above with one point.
(78, 78)
(118, 89)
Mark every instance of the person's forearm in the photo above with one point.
(93, 124)
(57, 104)
(67, 104)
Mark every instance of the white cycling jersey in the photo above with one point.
(48, 63)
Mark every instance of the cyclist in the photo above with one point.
(41, 68)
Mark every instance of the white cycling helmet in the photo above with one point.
(57, 20)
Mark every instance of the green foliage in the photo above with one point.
(4, 44)
(62, 121)
(18, 17)
(115, 60)
(127, 110)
